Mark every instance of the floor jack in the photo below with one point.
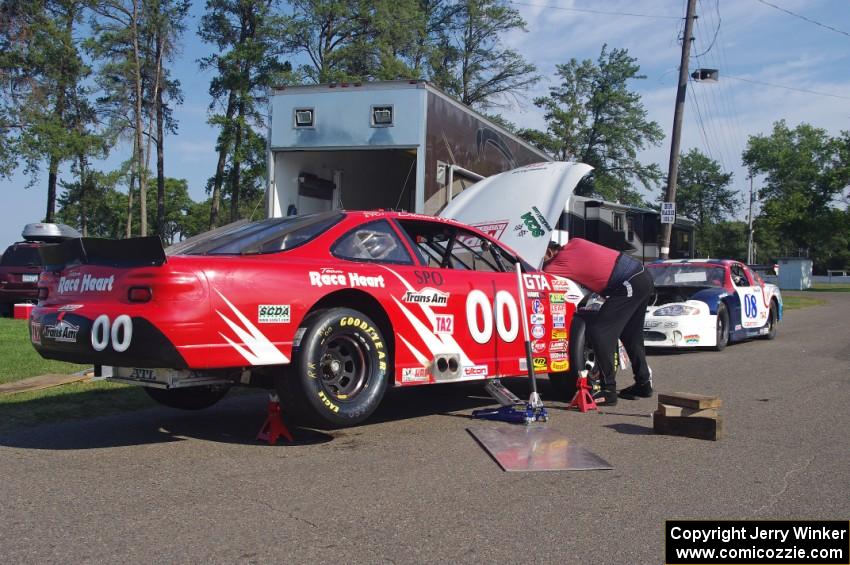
(273, 428)
(513, 410)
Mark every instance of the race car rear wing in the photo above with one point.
(122, 253)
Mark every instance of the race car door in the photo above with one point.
(482, 321)
(753, 310)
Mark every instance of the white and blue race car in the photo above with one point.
(709, 303)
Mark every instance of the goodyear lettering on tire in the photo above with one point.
(350, 321)
(327, 402)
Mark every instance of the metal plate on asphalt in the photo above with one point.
(535, 448)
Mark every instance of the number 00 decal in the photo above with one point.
(120, 333)
(479, 306)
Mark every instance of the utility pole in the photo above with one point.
(673, 170)
(750, 259)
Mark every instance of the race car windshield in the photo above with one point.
(687, 275)
(265, 236)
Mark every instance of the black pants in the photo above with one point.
(622, 317)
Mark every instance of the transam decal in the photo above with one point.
(429, 296)
(559, 334)
(475, 372)
(414, 375)
(333, 277)
(273, 313)
(444, 324)
(558, 366)
(88, 283)
(63, 330)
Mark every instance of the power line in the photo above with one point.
(716, 30)
(599, 12)
(789, 87)
(811, 21)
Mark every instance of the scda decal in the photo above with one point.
(556, 297)
(558, 308)
(414, 375)
(559, 345)
(538, 318)
(87, 283)
(559, 334)
(444, 324)
(538, 331)
(558, 321)
(333, 277)
(558, 366)
(35, 333)
(539, 363)
(538, 346)
(536, 306)
(63, 331)
(428, 296)
(475, 371)
(560, 283)
(273, 313)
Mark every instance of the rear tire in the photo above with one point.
(190, 398)
(339, 372)
(722, 328)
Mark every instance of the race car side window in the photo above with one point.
(738, 276)
(375, 241)
(449, 247)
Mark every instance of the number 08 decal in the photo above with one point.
(120, 333)
(750, 306)
(507, 326)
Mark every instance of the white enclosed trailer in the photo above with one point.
(394, 145)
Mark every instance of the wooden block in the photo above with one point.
(699, 428)
(670, 410)
(688, 400)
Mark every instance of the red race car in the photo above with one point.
(329, 309)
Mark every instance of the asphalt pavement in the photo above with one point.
(412, 486)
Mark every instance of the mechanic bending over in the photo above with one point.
(626, 286)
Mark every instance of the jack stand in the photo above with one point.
(513, 410)
(273, 428)
(583, 400)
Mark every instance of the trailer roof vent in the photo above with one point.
(382, 116)
(304, 118)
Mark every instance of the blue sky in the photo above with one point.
(755, 44)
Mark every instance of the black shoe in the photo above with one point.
(605, 396)
(642, 390)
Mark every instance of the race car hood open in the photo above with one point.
(520, 207)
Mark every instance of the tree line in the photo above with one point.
(79, 76)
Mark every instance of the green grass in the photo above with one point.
(73, 401)
(18, 358)
(826, 287)
(796, 302)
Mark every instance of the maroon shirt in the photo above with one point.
(587, 263)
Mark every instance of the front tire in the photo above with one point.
(722, 328)
(581, 357)
(189, 398)
(339, 371)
